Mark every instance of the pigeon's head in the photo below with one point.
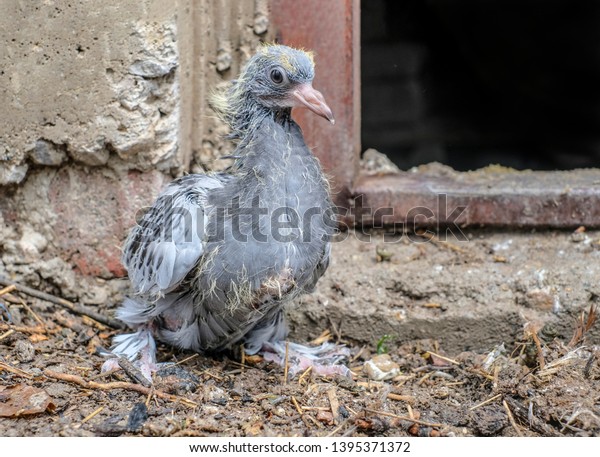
(275, 79)
(280, 77)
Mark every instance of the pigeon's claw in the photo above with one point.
(325, 360)
(139, 348)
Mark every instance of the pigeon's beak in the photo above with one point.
(306, 96)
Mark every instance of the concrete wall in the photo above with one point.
(103, 104)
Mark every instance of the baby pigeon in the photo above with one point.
(215, 259)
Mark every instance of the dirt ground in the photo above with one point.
(486, 337)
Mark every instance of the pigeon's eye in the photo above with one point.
(277, 76)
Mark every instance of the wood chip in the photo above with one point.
(407, 398)
(133, 372)
(334, 403)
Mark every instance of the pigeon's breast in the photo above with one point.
(271, 228)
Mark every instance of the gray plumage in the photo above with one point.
(215, 259)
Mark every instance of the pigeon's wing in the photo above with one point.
(167, 242)
(319, 270)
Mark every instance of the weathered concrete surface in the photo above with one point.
(91, 94)
(103, 104)
(88, 81)
(225, 34)
(67, 222)
(467, 295)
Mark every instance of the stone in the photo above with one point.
(60, 273)
(24, 351)
(32, 243)
(92, 153)
(47, 153)
(381, 368)
(12, 173)
(151, 69)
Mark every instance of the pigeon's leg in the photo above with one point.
(138, 347)
(325, 360)
(268, 338)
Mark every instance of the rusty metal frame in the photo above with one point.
(492, 197)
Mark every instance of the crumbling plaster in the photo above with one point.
(104, 103)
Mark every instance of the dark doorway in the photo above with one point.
(470, 83)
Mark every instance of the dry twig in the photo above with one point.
(485, 402)
(526, 418)
(6, 334)
(407, 398)
(322, 338)
(15, 370)
(7, 290)
(287, 363)
(296, 405)
(304, 375)
(20, 328)
(133, 372)
(512, 419)
(446, 359)
(105, 374)
(191, 357)
(338, 428)
(480, 373)
(531, 330)
(37, 318)
(92, 415)
(117, 385)
(73, 307)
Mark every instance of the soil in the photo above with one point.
(491, 336)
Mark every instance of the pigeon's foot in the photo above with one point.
(325, 360)
(139, 348)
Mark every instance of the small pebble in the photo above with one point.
(24, 351)
(176, 380)
(216, 395)
(325, 416)
(343, 412)
(137, 417)
(381, 368)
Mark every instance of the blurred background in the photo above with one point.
(470, 83)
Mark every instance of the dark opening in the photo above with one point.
(471, 82)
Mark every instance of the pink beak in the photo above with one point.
(305, 96)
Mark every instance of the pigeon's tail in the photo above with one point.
(133, 312)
